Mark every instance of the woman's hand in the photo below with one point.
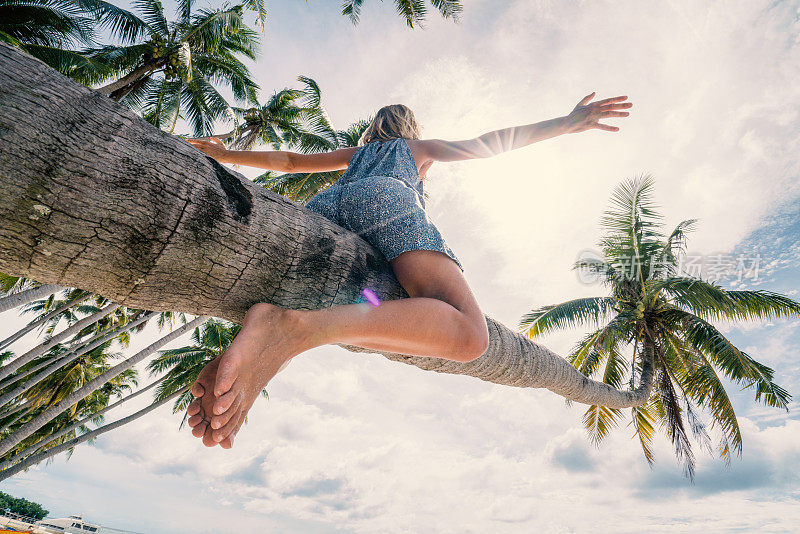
(211, 146)
(585, 116)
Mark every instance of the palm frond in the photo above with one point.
(643, 419)
(413, 11)
(153, 15)
(669, 410)
(299, 187)
(577, 312)
(83, 69)
(599, 420)
(738, 366)
(124, 26)
(352, 9)
(260, 9)
(710, 301)
(203, 105)
(449, 9)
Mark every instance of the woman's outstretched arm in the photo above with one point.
(583, 117)
(276, 160)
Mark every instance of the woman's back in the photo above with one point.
(380, 197)
(391, 158)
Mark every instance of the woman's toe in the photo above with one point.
(208, 439)
(194, 407)
(219, 421)
(199, 429)
(222, 433)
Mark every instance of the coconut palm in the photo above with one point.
(656, 316)
(57, 386)
(25, 440)
(32, 383)
(174, 71)
(291, 117)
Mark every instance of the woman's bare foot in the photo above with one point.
(201, 409)
(229, 385)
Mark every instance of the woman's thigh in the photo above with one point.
(433, 274)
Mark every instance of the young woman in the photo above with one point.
(379, 197)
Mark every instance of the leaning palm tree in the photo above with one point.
(657, 317)
(33, 435)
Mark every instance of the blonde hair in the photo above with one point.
(391, 122)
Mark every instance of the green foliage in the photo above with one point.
(297, 119)
(412, 11)
(664, 317)
(22, 506)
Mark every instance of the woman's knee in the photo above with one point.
(475, 340)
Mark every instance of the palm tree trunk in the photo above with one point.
(23, 297)
(207, 241)
(68, 358)
(64, 431)
(220, 136)
(118, 86)
(32, 460)
(37, 351)
(64, 404)
(40, 321)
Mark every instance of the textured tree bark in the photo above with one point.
(113, 89)
(96, 198)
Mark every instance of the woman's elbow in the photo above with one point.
(288, 162)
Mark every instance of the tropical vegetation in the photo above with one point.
(52, 395)
(659, 318)
(22, 506)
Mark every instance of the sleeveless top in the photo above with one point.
(391, 158)
(380, 197)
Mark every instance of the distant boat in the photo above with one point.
(73, 524)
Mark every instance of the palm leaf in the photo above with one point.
(599, 420)
(352, 9)
(572, 313)
(711, 301)
(738, 366)
(643, 419)
(449, 9)
(153, 15)
(123, 25)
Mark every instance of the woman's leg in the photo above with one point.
(440, 319)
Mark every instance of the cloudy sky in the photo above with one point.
(356, 443)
